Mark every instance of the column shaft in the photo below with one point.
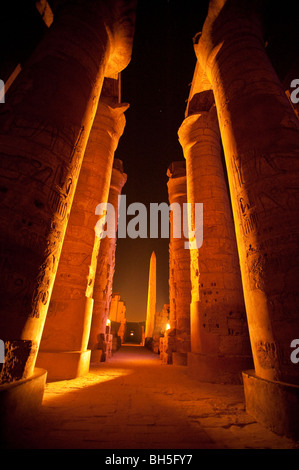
(45, 125)
(260, 135)
(67, 326)
(179, 264)
(219, 334)
(105, 270)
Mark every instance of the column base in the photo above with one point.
(96, 356)
(64, 365)
(273, 404)
(179, 358)
(19, 401)
(217, 369)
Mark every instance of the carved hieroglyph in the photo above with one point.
(44, 126)
(260, 135)
(106, 263)
(218, 317)
(78, 262)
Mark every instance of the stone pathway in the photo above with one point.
(135, 402)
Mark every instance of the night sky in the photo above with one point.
(156, 84)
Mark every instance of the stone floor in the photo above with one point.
(134, 402)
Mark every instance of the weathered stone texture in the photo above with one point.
(106, 263)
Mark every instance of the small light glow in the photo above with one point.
(167, 327)
(132, 333)
(108, 322)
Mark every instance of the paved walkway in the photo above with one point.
(134, 402)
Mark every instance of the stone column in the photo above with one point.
(44, 126)
(179, 268)
(151, 299)
(105, 271)
(220, 347)
(63, 349)
(260, 135)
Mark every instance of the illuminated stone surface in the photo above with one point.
(179, 267)
(260, 135)
(105, 267)
(151, 299)
(219, 334)
(45, 125)
(117, 315)
(44, 131)
(68, 322)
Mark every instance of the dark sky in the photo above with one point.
(156, 84)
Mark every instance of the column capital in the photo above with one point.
(110, 119)
(118, 177)
(226, 22)
(195, 127)
(121, 33)
(177, 182)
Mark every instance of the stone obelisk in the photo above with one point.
(151, 299)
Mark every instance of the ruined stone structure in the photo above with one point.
(260, 136)
(162, 319)
(179, 267)
(105, 268)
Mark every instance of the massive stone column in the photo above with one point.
(260, 135)
(151, 299)
(63, 349)
(44, 125)
(220, 347)
(105, 271)
(179, 268)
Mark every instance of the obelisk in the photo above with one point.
(151, 299)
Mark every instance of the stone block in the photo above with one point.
(64, 365)
(273, 404)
